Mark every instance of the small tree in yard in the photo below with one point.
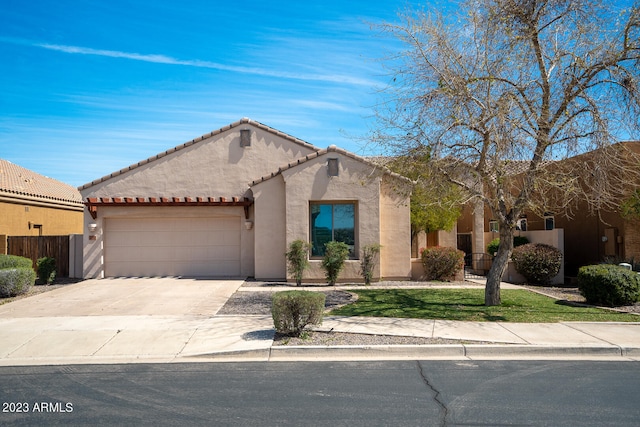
(298, 259)
(336, 253)
(368, 261)
(496, 95)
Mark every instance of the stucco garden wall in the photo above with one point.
(395, 229)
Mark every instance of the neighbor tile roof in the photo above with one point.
(18, 181)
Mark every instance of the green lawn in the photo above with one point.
(468, 305)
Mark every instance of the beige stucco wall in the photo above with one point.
(270, 229)
(308, 182)
(15, 219)
(395, 229)
(93, 256)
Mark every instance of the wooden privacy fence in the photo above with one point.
(35, 247)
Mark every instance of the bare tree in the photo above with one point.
(502, 92)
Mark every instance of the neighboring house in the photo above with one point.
(35, 205)
(585, 238)
(229, 203)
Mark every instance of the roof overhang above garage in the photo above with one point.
(93, 203)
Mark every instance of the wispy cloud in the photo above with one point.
(164, 59)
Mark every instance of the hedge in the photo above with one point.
(609, 285)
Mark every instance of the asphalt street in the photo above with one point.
(405, 393)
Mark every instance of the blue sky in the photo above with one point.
(89, 87)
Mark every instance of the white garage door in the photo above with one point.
(172, 247)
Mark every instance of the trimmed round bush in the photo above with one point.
(441, 263)
(14, 261)
(609, 285)
(292, 311)
(16, 281)
(537, 262)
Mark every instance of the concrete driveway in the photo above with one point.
(128, 297)
(127, 320)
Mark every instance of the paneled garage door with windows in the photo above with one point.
(142, 247)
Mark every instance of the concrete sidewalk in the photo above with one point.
(74, 333)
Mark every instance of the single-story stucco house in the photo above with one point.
(228, 204)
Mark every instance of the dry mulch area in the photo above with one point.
(260, 302)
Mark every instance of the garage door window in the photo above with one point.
(332, 222)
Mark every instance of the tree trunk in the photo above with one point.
(492, 289)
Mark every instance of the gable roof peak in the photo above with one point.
(330, 149)
(242, 121)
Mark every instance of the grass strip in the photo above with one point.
(520, 306)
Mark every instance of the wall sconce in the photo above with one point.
(248, 225)
(93, 227)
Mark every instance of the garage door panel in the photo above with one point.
(172, 246)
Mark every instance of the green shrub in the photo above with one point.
(442, 263)
(537, 262)
(609, 285)
(16, 281)
(492, 247)
(298, 259)
(293, 310)
(46, 270)
(368, 261)
(14, 261)
(336, 253)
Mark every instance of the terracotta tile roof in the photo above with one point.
(18, 181)
(330, 149)
(94, 202)
(240, 122)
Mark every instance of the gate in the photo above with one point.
(34, 247)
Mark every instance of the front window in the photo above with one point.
(549, 221)
(332, 221)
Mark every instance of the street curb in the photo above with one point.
(255, 355)
(421, 352)
(373, 352)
